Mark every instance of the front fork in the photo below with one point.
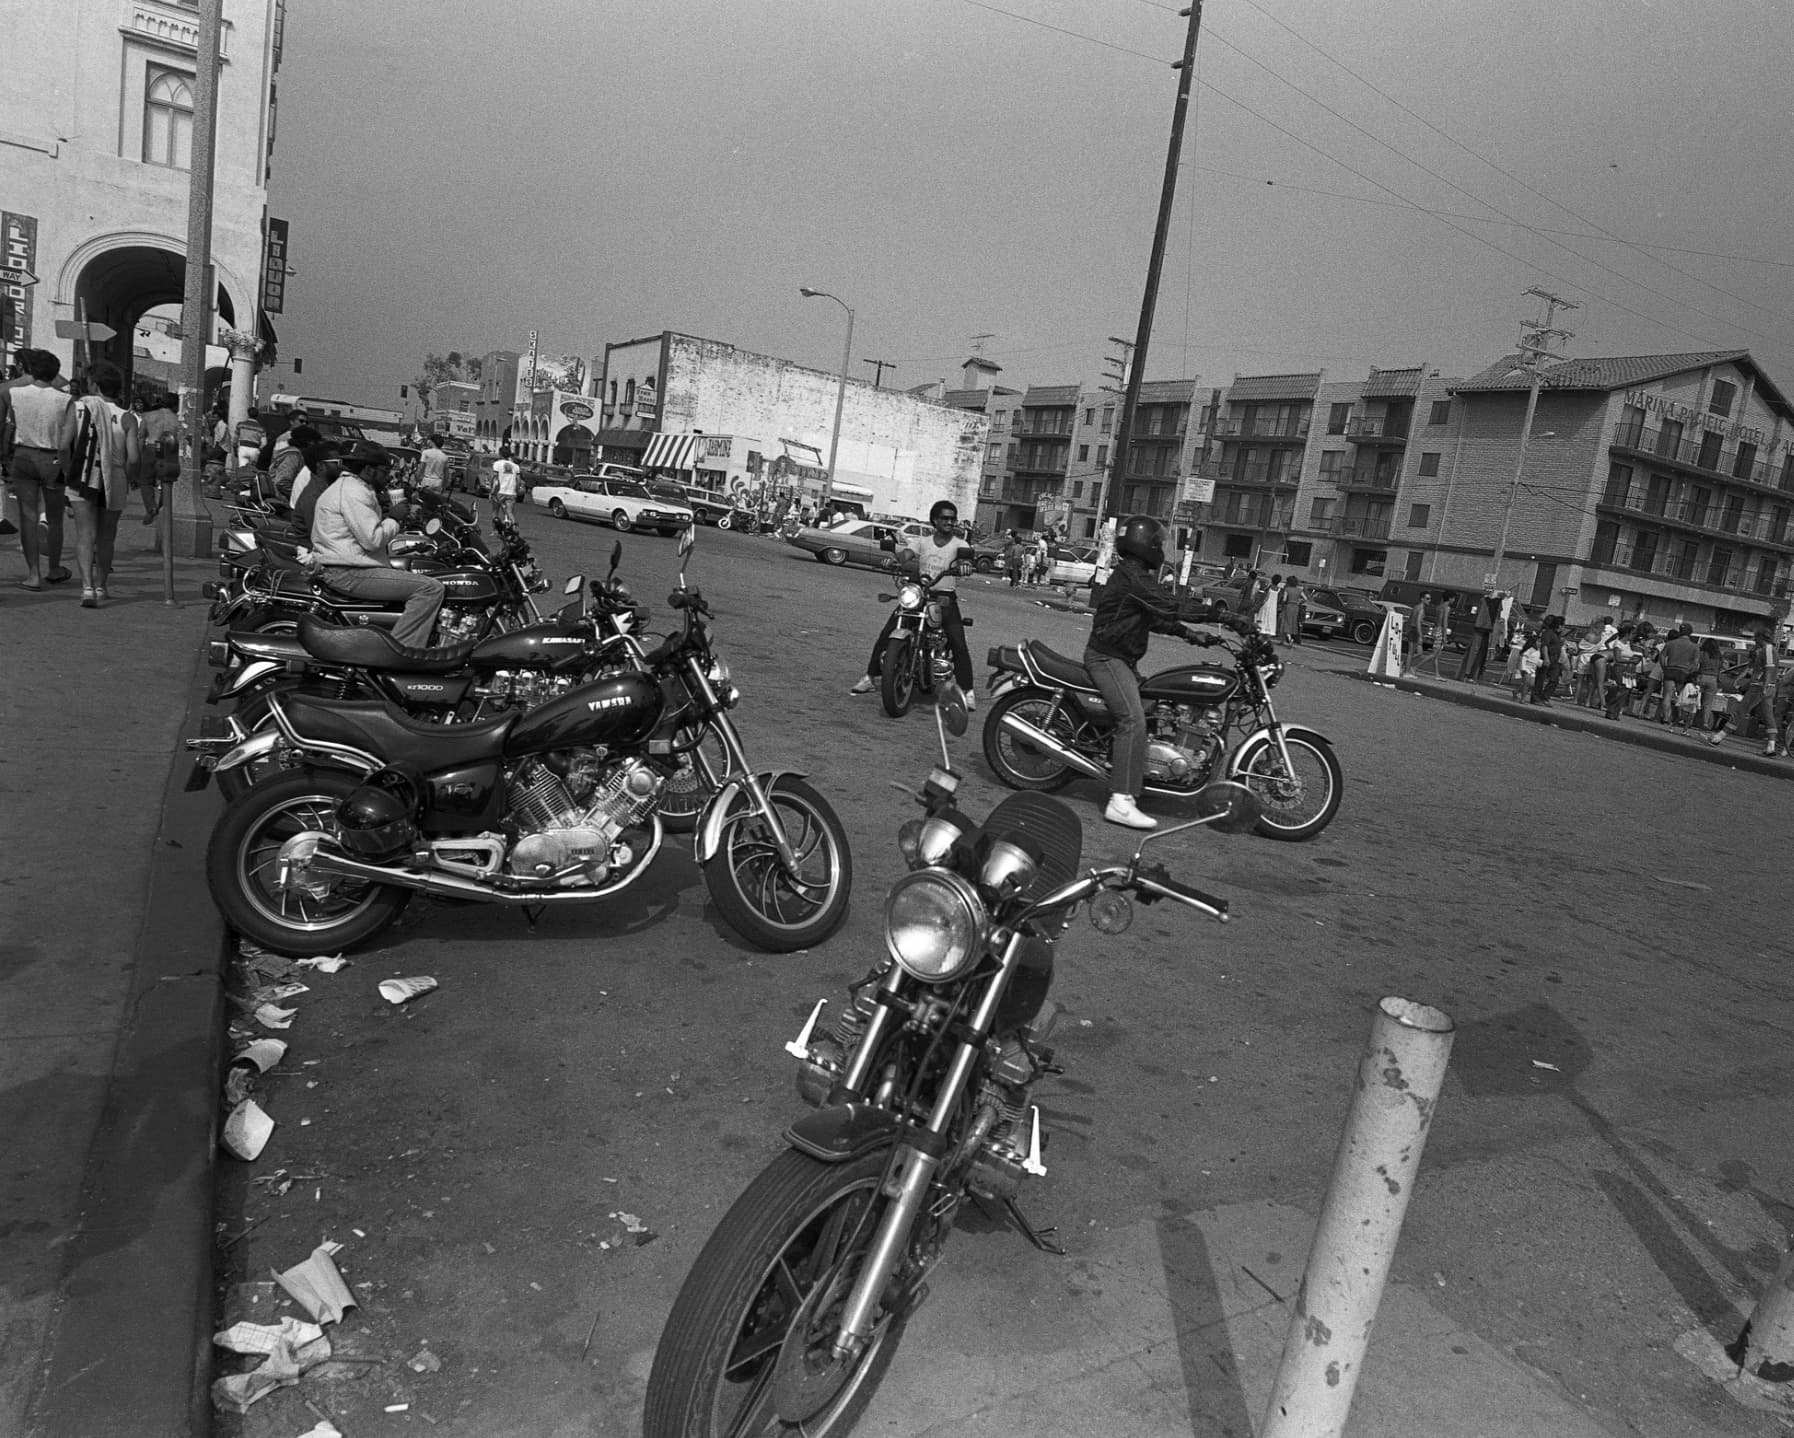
(738, 764)
(915, 1164)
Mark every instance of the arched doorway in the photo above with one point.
(573, 446)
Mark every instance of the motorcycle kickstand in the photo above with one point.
(1036, 1236)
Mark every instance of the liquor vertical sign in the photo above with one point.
(274, 267)
(18, 258)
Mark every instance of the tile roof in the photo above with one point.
(1273, 386)
(1167, 391)
(1393, 383)
(1616, 372)
(1050, 394)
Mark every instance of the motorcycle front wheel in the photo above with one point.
(771, 908)
(1019, 762)
(897, 677)
(1297, 805)
(305, 917)
(746, 1348)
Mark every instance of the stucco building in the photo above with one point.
(96, 129)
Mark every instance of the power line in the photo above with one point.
(1060, 30)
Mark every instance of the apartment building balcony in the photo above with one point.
(1041, 429)
(1650, 560)
(1294, 431)
(1695, 455)
(1257, 476)
(1364, 480)
(1359, 526)
(1373, 429)
(1710, 520)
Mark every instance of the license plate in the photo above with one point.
(215, 727)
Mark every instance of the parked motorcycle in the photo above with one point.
(559, 805)
(917, 657)
(1049, 724)
(922, 1085)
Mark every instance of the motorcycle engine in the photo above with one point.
(454, 625)
(524, 688)
(571, 809)
(1183, 742)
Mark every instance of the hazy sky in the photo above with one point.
(1362, 184)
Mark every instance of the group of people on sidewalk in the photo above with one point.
(76, 451)
(1027, 561)
(1279, 606)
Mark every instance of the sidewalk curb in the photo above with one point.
(1576, 721)
(130, 1353)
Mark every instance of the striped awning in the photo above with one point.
(669, 451)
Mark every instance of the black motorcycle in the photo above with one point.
(923, 1085)
(917, 658)
(1049, 725)
(559, 805)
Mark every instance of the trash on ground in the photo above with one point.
(280, 1369)
(398, 991)
(267, 1337)
(263, 1053)
(325, 1429)
(328, 964)
(424, 1361)
(238, 1084)
(277, 1183)
(246, 1130)
(271, 1016)
(317, 1286)
(1541, 1064)
(277, 993)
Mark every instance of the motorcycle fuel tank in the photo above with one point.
(1204, 684)
(468, 586)
(550, 646)
(620, 710)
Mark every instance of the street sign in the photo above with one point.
(24, 279)
(90, 330)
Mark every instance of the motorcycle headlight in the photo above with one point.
(718, 674)
(934, 925)
(1273, 672)
(909, 597)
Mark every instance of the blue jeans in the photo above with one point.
(1119, 684)
(422, 596)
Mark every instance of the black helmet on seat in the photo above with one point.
(375, 820)
(1141, 537)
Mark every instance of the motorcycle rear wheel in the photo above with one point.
(798, 1232)
(897, 677)
(269, 619)
(1018, 763)
(1296, 806)
(771, 909)
(240, 870)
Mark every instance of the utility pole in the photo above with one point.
(879, 366)
(189, 522)
(1149, 300)
(1537, 338)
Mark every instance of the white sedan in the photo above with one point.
(1072, 565)
(623, 503)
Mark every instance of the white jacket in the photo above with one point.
(347, 529)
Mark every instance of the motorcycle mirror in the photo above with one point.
(433, 528)
(1229, 806)
(688, 539)
(952, 706)
(1111, 912)
(616, 557)
(574, 585)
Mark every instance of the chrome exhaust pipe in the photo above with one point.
(445, 886)
(1040, 739)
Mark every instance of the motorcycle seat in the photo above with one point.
(367, 648)
(1057, 667)
(394, 737)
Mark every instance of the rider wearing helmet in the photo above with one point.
(1129, 608)
(938, 559)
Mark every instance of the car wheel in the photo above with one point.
(833, 556)
(621, 519)
(1364, 632)
(984, 564)
(557, 509)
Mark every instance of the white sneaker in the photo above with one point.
(863, 687)
(971, 700)
(1124, 811)
(1716, 737)
(1769, 751)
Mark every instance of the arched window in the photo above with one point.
(628, 393)
(168, 119)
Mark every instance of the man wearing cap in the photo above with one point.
(349, 538)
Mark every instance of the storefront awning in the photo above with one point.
(850, 491)
(670, 451)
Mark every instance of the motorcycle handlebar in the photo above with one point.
(1158, 882)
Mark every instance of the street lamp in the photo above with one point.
(834, 444)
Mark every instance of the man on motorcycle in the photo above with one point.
(1131, 606)
(938, 560)
(349, 538)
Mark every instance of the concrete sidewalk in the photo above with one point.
(110, 1008)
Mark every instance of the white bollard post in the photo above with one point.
(1361, 1219)
(1769, 1346)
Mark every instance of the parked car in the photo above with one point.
(858, 541)
(707, 506)
(534, 473)
(624, 504)
(1361, 613)
(1072, 564)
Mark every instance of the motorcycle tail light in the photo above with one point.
(909, 597)
(934, 925)
(218, 651)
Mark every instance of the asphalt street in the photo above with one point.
(522, 1164)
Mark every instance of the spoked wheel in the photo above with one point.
(276, 903)
(1018, 761)
(699, 773)
(771, 908)
(1297, 805)
(897, 677)
(747, 1347)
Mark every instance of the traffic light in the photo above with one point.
(298, 365)
(404, 391)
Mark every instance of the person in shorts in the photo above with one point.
(506, 477)
(39, 418)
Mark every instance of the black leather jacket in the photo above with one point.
(1129, 608)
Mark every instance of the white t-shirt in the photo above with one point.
(934, 560)
(504, 478)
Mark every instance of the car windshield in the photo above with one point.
(628, 487)
(662, 489)
(587, 486)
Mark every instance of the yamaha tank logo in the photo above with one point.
(613, 703)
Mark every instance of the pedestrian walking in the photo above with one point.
(1761, 679)
(1591, 685)
(1551, 659)
(1292, 606)
(1681, 661)
(1267, 606)
(1483, 622)
(1706, 678)
(506, 479)
(1043, 558)
(1414, 639)
(36, 428)
(161, 441)
(433, 466)
(104, 461)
